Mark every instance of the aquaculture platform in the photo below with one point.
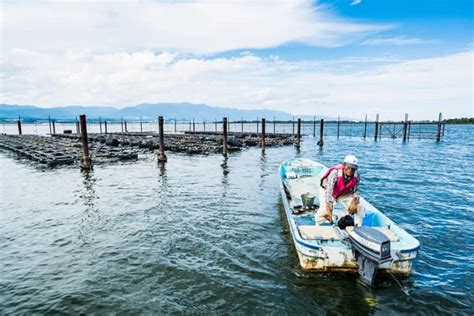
(67, 148)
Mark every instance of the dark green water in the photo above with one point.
(204, 234)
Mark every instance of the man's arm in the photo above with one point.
(355, 201)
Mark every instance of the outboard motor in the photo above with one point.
(371, 248)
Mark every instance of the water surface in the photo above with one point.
(207, 234)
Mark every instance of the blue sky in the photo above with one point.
(433, 27)
(339, 57)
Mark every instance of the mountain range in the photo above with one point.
(146, 111)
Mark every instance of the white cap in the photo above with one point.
(351, 161)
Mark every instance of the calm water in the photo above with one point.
(207, 234)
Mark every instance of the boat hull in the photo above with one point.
(321, 258)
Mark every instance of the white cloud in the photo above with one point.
(421, 87)
(356, 2)
(182, 26)
(396, 41)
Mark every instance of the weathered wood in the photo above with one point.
(321, 133)
(161, 157)
(141, 126)
(19, 127)
(194, 125)
(262, 139)
(376, 127)
(105, 126)
(125, 126)
(409, 129)
(224, 132)
(438, 130)
(405, 127)
(86, 162)
(50, 127)
(298, 134)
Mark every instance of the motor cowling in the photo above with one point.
(371, 248)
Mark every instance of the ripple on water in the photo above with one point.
(207, 234)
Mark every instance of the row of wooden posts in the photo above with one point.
(86, 162)
(406, 126)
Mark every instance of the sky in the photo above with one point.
(334, 57)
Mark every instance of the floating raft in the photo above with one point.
(67, 148)
(55, 151)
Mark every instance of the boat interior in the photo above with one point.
(302, 177)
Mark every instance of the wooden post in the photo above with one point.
(190, 124)
(405, 127)
(224, 140)
(298, 134)
(161, 157)
(438, 131)
(321, 133)
(262, 140)
(78, 128)
(121, 124)
(204, 124)
(54, 126)
(194, 126)
(444, 127)
(376, 127)
(409, 129)
(141, 125)
(50, 128)
(105, 126)
(293, 132)
(19, 126)
(338, 122)
(365, 127)
(314, 126)
(86, 162)
(274, 127)
(175, 125)
(100, 125)
(242, 125)
(125, 125)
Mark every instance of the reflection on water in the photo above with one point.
(207, 234)
(90, 216)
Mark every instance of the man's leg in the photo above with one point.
(322, 211)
